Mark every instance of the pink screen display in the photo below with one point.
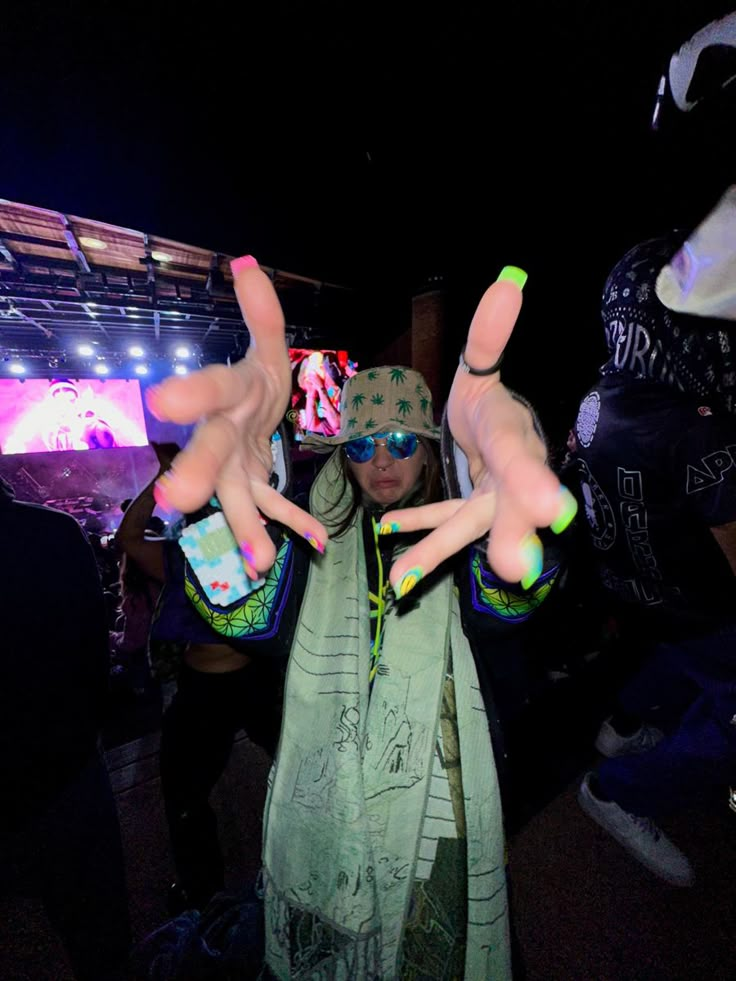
(39, 415)
(318, 376)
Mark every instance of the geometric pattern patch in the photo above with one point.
(492, 595)
(256, 615)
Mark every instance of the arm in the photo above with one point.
(331, 416)
(725, 536)
(130, 536)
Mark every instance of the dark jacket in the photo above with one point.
(53, 656)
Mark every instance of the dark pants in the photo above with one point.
(689, 689)
(197, 736)
(72, 859)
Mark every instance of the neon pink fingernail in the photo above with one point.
(247, 551)
(314, 542)
(159, 495)
(244, 262)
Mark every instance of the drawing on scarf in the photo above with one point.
(399, 750)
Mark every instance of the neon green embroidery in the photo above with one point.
(506, 604)
(252, 615)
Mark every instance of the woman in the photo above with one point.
(383, 839)
(219, 691)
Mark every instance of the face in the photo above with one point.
(383, 479)
(65, 396)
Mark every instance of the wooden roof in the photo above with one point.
(65, 280)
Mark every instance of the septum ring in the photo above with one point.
(479, 372)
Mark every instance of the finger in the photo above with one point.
(419, 518)
(469, 523)
(191, 481)
(532, 487)
(494, 319)
(236, 497)
(514, 549)
(277, 507)
(185, 400)
(261, 309)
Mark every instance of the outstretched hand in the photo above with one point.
(240, 407)
(514, 492)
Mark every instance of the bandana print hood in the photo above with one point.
(647, 341)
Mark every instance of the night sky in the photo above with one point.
(335, 141)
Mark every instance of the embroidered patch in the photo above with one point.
(258, 615)
(587, 421)
(213, 554)
(491, 595)
(598, 511)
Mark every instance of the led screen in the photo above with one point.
(41, 415)
(317, 380)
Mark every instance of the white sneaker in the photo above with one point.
(640, 836)
(611, 743)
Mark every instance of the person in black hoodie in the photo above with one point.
(656, 459)
(59, 831)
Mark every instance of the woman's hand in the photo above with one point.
(238, 409)
(514, 492)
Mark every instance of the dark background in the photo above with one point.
(369, 145)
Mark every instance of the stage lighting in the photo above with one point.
(182, 352)
(181, 369)
(102, 369)
(86, 350)
(141, 369)
(92, 243)
(136, 351)
(17, 368)
(161, 256)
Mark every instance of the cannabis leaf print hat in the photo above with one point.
(381, 400)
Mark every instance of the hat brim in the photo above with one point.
(323, 444)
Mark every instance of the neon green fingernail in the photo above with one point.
(514, 274)
(531, 552)
(568, 510)
(389, 528)
(408, 581)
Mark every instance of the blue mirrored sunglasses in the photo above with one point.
(400, 445)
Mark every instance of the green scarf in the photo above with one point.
(348, 792)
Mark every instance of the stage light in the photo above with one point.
(141, 369)
(86, 350)
(182, 352)
(161, 256)
(136, 351)
(17, 368)
(102, 369)
(92, 243)
(181, 369)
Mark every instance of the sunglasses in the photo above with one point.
(400, 445)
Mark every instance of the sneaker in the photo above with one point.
(640, 836)
(611, 743)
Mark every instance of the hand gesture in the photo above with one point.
(240, 407)
(514, 492)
